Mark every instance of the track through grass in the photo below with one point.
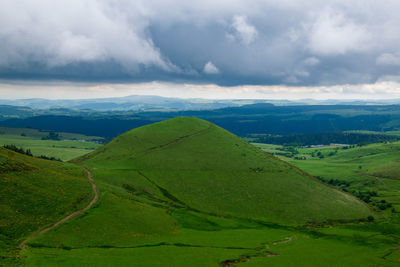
(72, 215)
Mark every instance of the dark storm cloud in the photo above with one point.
(224, 42)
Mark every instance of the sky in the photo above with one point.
(213, 49)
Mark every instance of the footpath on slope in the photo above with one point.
(176, 141)
(371, 176)
(72, 215)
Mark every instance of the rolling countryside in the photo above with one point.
(191, 193)
(228, 133)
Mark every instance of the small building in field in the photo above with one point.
(338, 144)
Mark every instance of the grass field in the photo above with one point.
(70, 146)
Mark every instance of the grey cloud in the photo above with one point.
(388, 59)
(241, 42)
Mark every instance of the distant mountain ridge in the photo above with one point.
(152, 102)
(133, 102)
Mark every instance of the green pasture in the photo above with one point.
(74, 145)
(38, 134)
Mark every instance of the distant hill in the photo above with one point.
(199, 165)
(133, 102)
(153, 102)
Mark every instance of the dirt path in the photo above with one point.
(378, 179)
(371, 176)
(287, 240)
(262, 251)
(176, 141)
(96, 195)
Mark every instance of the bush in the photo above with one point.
(52, 136)
(381, 206)
(18, 149)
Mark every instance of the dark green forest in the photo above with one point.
(242, 121)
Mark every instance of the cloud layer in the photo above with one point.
(79, 90)
(233, 42)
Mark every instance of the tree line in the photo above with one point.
(326, 139)
(28, 152)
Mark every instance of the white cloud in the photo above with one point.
(332, 34)
(63, 32)
(68, 48)
(385, 89)
(210, 68)
(244, 31)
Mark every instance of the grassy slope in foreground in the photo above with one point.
(211, 170)
(35, 193)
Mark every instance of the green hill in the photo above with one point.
(185, 192)
(35, 193)
(202, 167)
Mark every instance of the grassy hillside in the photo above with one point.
(202, 166)
(33, 194)
(370, 172)
(145, 217)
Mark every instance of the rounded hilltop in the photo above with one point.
(211, 170)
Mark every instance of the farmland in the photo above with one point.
(68, 146)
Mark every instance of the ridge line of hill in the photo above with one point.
(326, 184)
(72, 215)
(177, 140)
